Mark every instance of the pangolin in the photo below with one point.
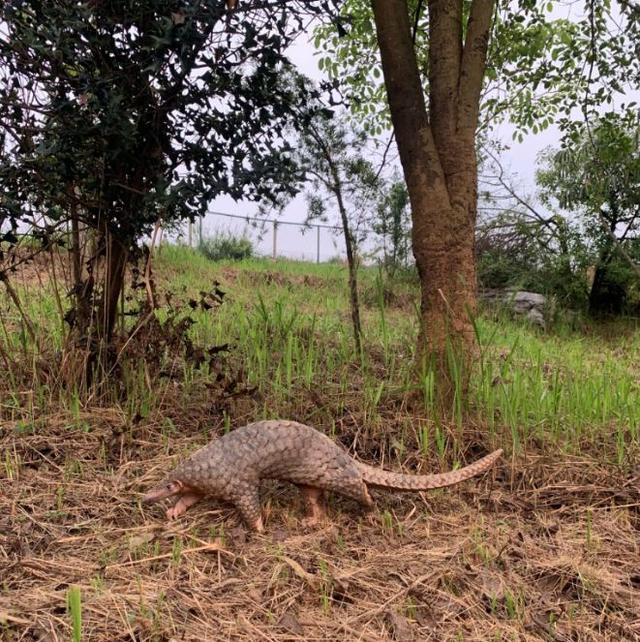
(230, 468)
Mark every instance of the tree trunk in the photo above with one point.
(353, 293)
(93, 316)
(607, 295)
(116, 258)
(437, 152)
(351, 262)
(82, 287)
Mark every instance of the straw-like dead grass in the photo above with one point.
(548, 549)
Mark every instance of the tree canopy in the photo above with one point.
(540, 67)
(117, 116)
(596, 177)
(127, 112)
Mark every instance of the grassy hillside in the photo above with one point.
(543, 548)
(289, 331)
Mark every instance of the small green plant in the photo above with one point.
(326, 585)
(98, 584)
(176, 551)
(74, 608)
(108, 556)
(410, 608)
(72, 468)
(425, 442)
(25, 428)
(390, 523)
(60, 492)
(217, 534)
(226, 246)
(12, 463)
(440, 437)
(483, 550)
(374, 394)
(387, 520)
(513, 604)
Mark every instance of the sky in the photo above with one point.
(518, 160)
(291, 241)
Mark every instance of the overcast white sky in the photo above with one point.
(519, 161)
(290, 242)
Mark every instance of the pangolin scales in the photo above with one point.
(231, 467)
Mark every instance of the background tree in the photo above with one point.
(332, 156)
(117, 115)
(597, 176)
(524, 244)
(536, 70)
(392, 222)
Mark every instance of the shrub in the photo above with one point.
(226, 246)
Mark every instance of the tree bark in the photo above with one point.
(83, 288)
(116, 258)
(438, 156)
(93, 317)
(353, 269)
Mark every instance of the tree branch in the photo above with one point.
(413, 133)
(445, 53)
(474, 58)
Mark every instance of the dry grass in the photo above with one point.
(546, 550)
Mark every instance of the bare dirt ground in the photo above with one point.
(542, 549)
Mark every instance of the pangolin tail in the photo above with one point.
(398, 481)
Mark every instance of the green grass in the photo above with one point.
(74, 607)
(290, 330)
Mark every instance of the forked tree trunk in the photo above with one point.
(437, 151)
(116, 258)
(97, 289)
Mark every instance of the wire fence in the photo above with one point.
(275, 237)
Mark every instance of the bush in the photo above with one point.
(551, 275)
(516, 255)
(615, 288)
(226, 246)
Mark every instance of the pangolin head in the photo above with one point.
(167, 488)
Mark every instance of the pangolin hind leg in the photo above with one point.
(352, 486)
(315, 503)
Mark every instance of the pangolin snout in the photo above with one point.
(166, 489)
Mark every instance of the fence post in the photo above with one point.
(275, 237)
(200, 232)
(317, 244)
